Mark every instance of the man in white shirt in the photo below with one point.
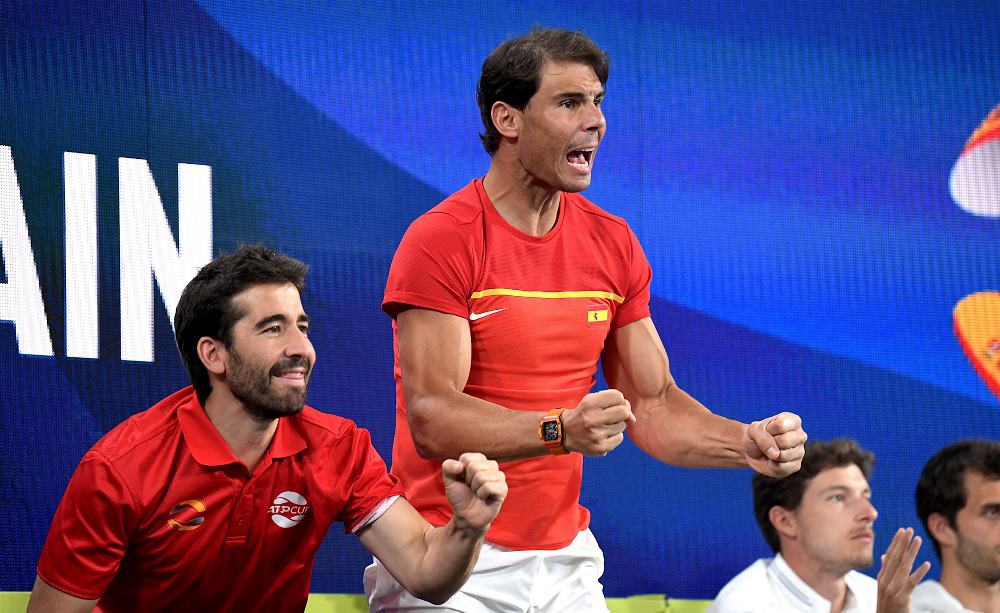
(958, 499)
(819, 523)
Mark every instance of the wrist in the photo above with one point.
(459, 528)
(551, 432)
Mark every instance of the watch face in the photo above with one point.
(550, 431)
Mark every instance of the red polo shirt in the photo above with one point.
(540, 309)
(161, 515)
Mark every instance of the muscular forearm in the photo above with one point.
(677, 429)
(451, 552)
(446, 425)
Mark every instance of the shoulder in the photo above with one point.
(931, 597)
(322, 425)
(328, 430)
(750, 586)
(456, 212)
(144, 430)
(593, 214)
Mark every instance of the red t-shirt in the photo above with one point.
(539, 311)
(160, 515)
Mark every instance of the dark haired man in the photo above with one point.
(958, 500)
(819, 524)
(217, 497)
(504, 297)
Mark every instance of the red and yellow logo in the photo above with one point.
(977, 325)
(187, 515)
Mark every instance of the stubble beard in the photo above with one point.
(842, 564)
(981, 561)
(251, 385)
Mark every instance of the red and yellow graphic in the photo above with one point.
(187, 515)
(975, 186)
(975, 178)
(977, 325)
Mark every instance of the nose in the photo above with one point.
(867, 511)
(594, 119)
(299, 344)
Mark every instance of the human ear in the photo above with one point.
(941, 530)
(506, 119)
(783, 521)
(212, 354)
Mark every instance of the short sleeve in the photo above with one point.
(88, 536)
(636, 303)
(371, 483)
(432, 268)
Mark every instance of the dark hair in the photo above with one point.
(513, 71)
(206, 304)
(787, 493)
(941, 488)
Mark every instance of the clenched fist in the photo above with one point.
(476, 489)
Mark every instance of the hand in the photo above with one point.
(895, 583)
(775, 446)
(595, 426)
(476, 489)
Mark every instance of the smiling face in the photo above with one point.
(270, 358)
(833, 523)
(562, 126)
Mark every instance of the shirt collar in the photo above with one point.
(795, 586)
(801, 591)
(207, 446)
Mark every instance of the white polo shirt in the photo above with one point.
(769, 585)
(931, 597)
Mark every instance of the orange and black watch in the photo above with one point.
(550, 430)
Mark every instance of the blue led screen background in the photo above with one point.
(786, 166)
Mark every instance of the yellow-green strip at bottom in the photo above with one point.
(16, 602)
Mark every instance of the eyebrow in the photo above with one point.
(278, 318)
(842, 488)
(577, 95)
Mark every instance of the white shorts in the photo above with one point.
(508, 580)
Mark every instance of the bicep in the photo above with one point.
(44, 597)
(636, 363)
(435, 351)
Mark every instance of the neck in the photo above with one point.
(974, 593)
(828, 584)
(246, 436)
(521, 200)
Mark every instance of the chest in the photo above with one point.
(207, 519)
(544, 309)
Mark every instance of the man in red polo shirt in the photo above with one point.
(218, 497)
(504, 297)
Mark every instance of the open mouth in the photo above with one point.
(581, 158)
(292, 375)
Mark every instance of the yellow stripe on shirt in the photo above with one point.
(520, 293)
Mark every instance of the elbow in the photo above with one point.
(436, 597)
(420, 417)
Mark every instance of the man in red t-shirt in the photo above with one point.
(217, 497)
(504, 297)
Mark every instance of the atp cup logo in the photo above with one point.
(288, 509)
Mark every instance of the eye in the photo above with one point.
(992, 511)
(304, 328)
(838, 498)
(272, 329)
(569, 104)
